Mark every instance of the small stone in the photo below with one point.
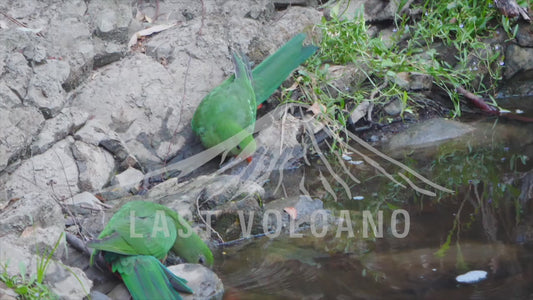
(112, 19)
(119, 292)
(414, 81)
(107, 52)
(83, 203)
(517, 59)
(524, 36)
(131, 178)
(96, 295)
(95, 165)
(203, 281)
(394, 107)
(35, 53)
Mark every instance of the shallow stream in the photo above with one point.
(485, 225)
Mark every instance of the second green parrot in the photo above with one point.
(137, 237)
(230, 108)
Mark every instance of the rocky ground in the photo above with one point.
(88, 115)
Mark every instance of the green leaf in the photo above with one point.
(451, 5)
(22, 269)
(391, 73)
(22, 290)
(387, 63)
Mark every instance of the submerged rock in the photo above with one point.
(426, 134)
(203, 281)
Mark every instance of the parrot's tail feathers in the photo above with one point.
(147, 278)
(91, 260)
(242, 65)
(271, 73)
(180, 284)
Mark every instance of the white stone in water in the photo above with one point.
(472, 276)
(346, 157)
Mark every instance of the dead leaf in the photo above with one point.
(9, 203)
(317, 108)
(28, 231)
(359, 111)
(292, 212)
(149, 31)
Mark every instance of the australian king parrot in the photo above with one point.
(230, 108)
(138, 236)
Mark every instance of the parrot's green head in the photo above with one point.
(233, 132)
(245, 148)
(194, 250)
(189, 246)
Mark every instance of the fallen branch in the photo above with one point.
(77, 243)
(480, 103)
(22, 25)
(80, 246)
(511, 9)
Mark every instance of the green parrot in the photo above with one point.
(230, 108)
(137, 237)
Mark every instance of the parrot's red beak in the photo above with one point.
(249, 159)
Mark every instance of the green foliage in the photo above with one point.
(45, 260)
(463, 28)
(32, 287)
(27, 288)
(344, 41)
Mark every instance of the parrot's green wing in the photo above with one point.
(228, 110)
(272, 71)
(231, 107)
(147, 278)
(138, 228)
(147, 228)
(139, 234)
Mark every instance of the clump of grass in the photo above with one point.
(462, 26)
(26, 288)
(30, 288)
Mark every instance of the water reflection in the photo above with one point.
(486, 226)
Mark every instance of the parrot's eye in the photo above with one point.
(238, 147)
(201, 260)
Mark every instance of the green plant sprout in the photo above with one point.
(33, 287)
